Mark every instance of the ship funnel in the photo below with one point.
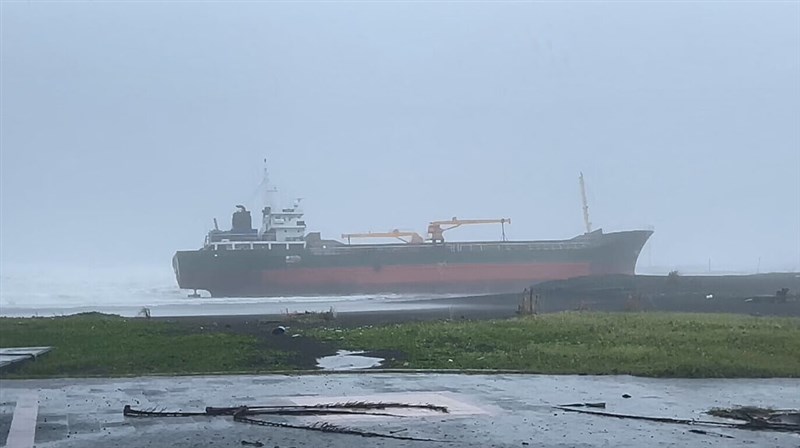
(241, 222)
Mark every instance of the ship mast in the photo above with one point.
(586, 221)
(268, 201)
(269, 191)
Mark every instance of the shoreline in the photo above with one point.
(742, 319)
(603, 293)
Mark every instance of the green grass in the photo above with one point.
(95, 344)
(645, 344)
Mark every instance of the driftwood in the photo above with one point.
(245, 414)
(754, 425)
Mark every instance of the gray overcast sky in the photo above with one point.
(127, 126)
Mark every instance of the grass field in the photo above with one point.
(645, 344)
(96, 344)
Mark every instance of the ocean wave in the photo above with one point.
(50, 291)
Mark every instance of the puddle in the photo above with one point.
(346, 360)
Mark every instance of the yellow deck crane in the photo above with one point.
(406, 237)
(436, 231)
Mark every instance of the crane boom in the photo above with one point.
(436, 231)
(414, 237)
(458, 222)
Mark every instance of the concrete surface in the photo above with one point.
(22, 432)
(499, 410)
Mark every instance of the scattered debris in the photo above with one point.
(363, 405)
(626, 396)
(244, 414)
(279, 330)
(673, 277)
(529, 302)
(781, 296)
(256, 444)
(586, 405)
(633, 302)
(755, 425)
(127, 411)
(326, 427)
(13, 355)
(310, 316)
(760, 416)
(709, 433)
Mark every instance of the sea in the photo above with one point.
(30, 291)
(57, 290)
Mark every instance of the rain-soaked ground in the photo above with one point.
(482, 410)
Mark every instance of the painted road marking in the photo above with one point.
(23, 424)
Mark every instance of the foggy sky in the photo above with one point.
(127, 127)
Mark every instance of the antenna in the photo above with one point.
(268, 200)
(586, 221)
(269, 190)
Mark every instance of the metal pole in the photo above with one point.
(585, 206)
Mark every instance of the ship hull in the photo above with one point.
(444, 268)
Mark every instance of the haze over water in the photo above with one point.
(51, 291)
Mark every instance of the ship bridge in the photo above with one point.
(280, 228)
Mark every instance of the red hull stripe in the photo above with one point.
(427, 274)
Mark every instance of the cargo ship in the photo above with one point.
(281, 258)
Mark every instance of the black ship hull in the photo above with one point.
(459, 267)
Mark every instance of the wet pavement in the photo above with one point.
(485, 410)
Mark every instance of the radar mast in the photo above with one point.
(586, 221)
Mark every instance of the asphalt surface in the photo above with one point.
(485, 410)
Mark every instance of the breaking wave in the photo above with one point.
(60, 290)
